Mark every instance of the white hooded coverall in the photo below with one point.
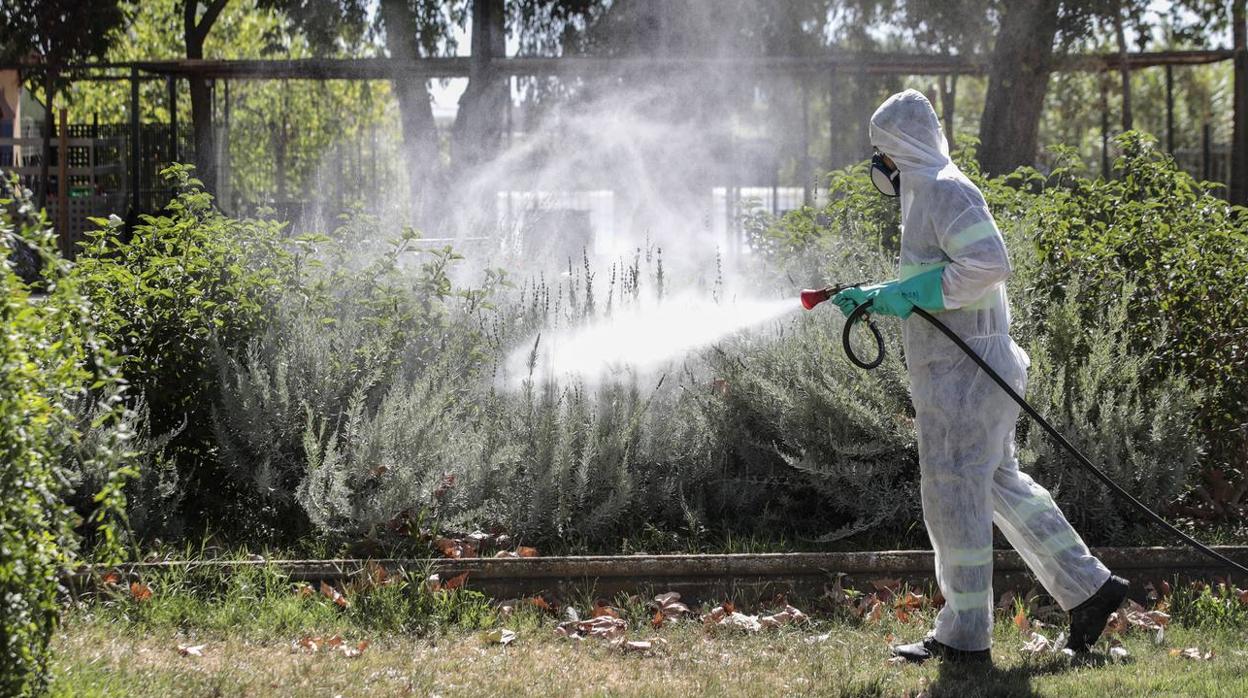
(969, 476)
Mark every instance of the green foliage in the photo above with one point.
(50, 366)
(169, 293)
(1219, 607)
(1094, 387)
(259, 601)
(1185, 254)
(41, 27)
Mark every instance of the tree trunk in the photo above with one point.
(194, 32)
(201, 127)
(420, 136)
(478, 125)
(1128, 122)
(948, 98)
(1017, 82)
(1239, 136)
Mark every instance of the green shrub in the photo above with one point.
(1093, 386)
(1184, 253)
(165, 295)
(50, 367)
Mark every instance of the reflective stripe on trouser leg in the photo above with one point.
(1027, 515)
(956, 463)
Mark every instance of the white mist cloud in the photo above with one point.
(639, 340)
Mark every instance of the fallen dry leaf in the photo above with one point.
(377, 575)
(500, 636)
(1020, 622)
(140, 592)
(313, 644)
(658, 620)
(1192, 653)
(603, 627)
(745, 622)
(668, 607)
(726, 615)
(1117, 623)
(191, 650)
(455, 547)
(877, 611)
(1037, 643)
(602, 609)
(886, 588)
(788, 615)
(641, 645)
(328, 591)
(1137, 616)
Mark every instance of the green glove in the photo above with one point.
(896, 297)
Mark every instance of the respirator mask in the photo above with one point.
(887, 180)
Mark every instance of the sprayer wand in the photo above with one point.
(862, 312)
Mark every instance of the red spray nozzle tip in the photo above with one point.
(815, 296)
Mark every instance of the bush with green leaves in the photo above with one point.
(52, 371)
(165, 295)
(1177, 256)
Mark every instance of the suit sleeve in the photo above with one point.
(978, 260)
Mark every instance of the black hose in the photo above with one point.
(862, 310)
(853, 319)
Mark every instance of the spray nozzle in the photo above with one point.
(814, 296)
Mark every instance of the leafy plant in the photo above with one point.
(51, 363)
(167, 294)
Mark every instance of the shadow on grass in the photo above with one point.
(990, 680)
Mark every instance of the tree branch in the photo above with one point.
(199, 30)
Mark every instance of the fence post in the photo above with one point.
(804, 165)
(1170, 108)
(49, 91)
(1104, 126)
(172, 84)
(1238, 193)
(135, 153)
(1206, 152)
(62, 183)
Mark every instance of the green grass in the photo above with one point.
(426, 643)
(97, 658)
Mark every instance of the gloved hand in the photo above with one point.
(896, 298)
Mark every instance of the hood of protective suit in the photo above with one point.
(905, 128)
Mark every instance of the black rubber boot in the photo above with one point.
(929, 647)
(1087, 620)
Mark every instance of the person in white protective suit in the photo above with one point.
(954, 262)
